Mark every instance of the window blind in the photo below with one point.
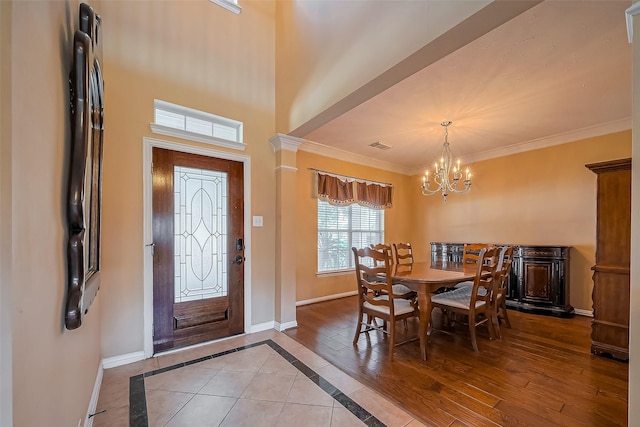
(340, 228)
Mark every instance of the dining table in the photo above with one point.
(425, 278)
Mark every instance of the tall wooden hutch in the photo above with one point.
(611, 273)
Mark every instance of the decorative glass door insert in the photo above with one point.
(200, 239)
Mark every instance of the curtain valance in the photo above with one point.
(334, 190)
(374, 196)
(342, 191)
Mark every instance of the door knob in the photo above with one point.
(239, 260)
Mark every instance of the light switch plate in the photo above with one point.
(257, 221)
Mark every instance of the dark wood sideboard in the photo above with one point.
(611, 273)
(539, 280)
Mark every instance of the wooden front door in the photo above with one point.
(198, 271)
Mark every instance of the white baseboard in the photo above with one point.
(93, 403)
(582, 312)
(326, 298)
(261, 327)
(112, 362)
(283, 326)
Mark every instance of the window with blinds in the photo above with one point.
(183, 122)
(340, 228)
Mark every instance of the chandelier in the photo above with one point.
(448, 176)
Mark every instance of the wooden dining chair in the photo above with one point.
(499, 300)
(383, 247)
(403, 253)
(400, 290)
(386, 306)
(471, 252)
(500, 291)
(470, 255)
(474, 302)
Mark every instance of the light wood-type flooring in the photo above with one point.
(541, 373)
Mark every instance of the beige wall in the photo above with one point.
(544, 196)
(397, 222)
(54, 369)
(199, 55)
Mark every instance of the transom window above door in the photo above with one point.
(195, 125)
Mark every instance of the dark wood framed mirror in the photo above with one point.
(84, 196)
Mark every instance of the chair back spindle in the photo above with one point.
(403, 253)
(471, 252)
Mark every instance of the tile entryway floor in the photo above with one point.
(262, 379)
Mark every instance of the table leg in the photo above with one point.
(424, 303)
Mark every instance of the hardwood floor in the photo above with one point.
(541, 373)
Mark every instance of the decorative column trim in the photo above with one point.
(634, 9)
(229, 5)
(289, 168)
(281, 141)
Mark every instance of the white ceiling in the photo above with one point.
(559, 72)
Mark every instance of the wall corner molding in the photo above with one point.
(633, 10)
(281, 141)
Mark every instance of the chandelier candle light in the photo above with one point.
(447, 175)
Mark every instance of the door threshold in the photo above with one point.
(200, 344)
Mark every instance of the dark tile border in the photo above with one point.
(138, 401)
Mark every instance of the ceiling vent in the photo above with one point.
(379, 145)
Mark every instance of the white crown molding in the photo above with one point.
(550, 141)
(347, 156)
(634, 9)
(281, 141)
